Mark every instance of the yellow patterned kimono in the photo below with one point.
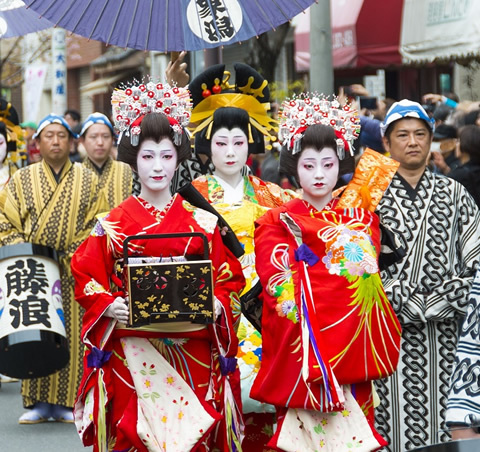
(69, 215)
(115, 180)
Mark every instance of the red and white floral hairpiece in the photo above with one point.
(300, 112)
(131, 103)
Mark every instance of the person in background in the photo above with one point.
(6, 169)
(33, 153)
(9, 135)
(115, 178)
(443, 149)
(449, 99)
(468, 172)
(472, 117)
(436, 222)
(53, 203)
(443, 114)
(7, 144)
(72, 117)
(176, 71)
(370, 135)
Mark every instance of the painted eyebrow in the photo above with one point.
(308, 159)
(153, 150)
(235, 136)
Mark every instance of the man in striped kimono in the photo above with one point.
(463, 407)
(53, 203)
(114, 177)
(437, 223)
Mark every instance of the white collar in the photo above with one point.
(231, 194)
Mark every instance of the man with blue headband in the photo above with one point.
(114, 177)
(437, 223)
(53, 203)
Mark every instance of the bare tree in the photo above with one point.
(12, 58)
(266, 49)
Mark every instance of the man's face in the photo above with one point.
(29, 132)
(98, 143)
(409, 143)
(71, 122)
(54, 144)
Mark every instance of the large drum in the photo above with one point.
(32, 331)
(465, 445)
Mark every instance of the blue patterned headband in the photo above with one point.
(96, 118)
(406, 109)
(52, 118)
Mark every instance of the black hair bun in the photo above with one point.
(258, 88)
(207, 77)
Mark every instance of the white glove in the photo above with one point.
(118, 310)
(217, 308)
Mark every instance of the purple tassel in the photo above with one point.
(304, 253)
(227, 365)
(97, 358)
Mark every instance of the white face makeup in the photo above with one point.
(318, 175)
(229, 153)
(156, 164)
(3, 149)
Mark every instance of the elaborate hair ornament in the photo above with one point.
(131, 103)
(211, 90)
(16, 149)
(203, 112)
(300, 112)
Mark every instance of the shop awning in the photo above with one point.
(102, 85)
(365, 33)
(440, 30)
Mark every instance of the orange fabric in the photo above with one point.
(372, 177)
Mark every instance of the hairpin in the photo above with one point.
(131, 103)
(211, 90)
(300, 112)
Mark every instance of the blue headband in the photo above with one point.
(52, 118)
(96, 118)
(406, 109)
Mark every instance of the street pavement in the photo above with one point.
(46, 437)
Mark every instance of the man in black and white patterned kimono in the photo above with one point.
(463, 407)
(437, 223)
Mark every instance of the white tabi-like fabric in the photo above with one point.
(308, 430)
(170, 416)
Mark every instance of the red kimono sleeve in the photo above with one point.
(92, 265)
(228, 283)
(281, 352)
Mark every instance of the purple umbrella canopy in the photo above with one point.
(169, 25)
(16, 20)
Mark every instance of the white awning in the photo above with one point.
(102, 85)
(440, 30)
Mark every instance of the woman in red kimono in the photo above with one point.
(327, 326)
(232, 124)
(160, 386)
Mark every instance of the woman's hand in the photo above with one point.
(118, 310)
